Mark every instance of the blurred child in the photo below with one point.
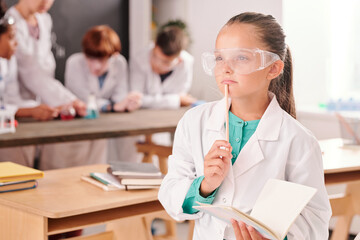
(163, 72)
(101, 70)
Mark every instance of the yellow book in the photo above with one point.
(10, 172)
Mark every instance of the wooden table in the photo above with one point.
(342, 165)
(144, 121)
(62, 202)
(341, 162)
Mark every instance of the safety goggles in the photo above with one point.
(241, 60)
(7, 20)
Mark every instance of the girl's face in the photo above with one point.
(39, 6)
(8, 43)
(240, 35)
(98, 66)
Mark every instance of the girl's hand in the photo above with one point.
(243, 232)
(216, 167)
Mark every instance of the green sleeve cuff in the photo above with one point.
(193, 196)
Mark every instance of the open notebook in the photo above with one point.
(275, 210)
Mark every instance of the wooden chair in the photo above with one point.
(345, 207)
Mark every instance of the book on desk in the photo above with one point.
(136, 174)
(134, 169)
(15, 177)
(126, 175)
(108, 182)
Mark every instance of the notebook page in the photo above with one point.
(279, 204)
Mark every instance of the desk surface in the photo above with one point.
(61, 193)
(144, 121)
(339, 158)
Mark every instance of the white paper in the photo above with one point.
(280, 203)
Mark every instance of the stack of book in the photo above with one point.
(136, 174)
(15, 177)
(126, 175)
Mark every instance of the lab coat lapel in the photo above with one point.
(249, 156)
(267, 130)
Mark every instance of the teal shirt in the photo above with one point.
(239, 133)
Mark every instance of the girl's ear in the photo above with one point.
(275, 70)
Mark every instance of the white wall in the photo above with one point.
(307, 27)
(140, 25)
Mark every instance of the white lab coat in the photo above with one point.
(9, 88)
(82, 83)
(10, 84)
(39, 49)
(36, 74)
(280, 148)
(36, 63)
(156, 93)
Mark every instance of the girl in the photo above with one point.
(266, 141)
(101, 70)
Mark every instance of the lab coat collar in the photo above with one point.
(269, 125)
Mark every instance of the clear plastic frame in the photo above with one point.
(240, 60)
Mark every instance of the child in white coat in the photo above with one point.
(163, 72)
(101, 70)
(265, 142)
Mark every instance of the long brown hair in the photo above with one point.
(272, 34)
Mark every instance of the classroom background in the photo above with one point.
(323, 36)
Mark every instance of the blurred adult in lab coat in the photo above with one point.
(102, 71)
(36, 73)
(163, 72)
(10, 94)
